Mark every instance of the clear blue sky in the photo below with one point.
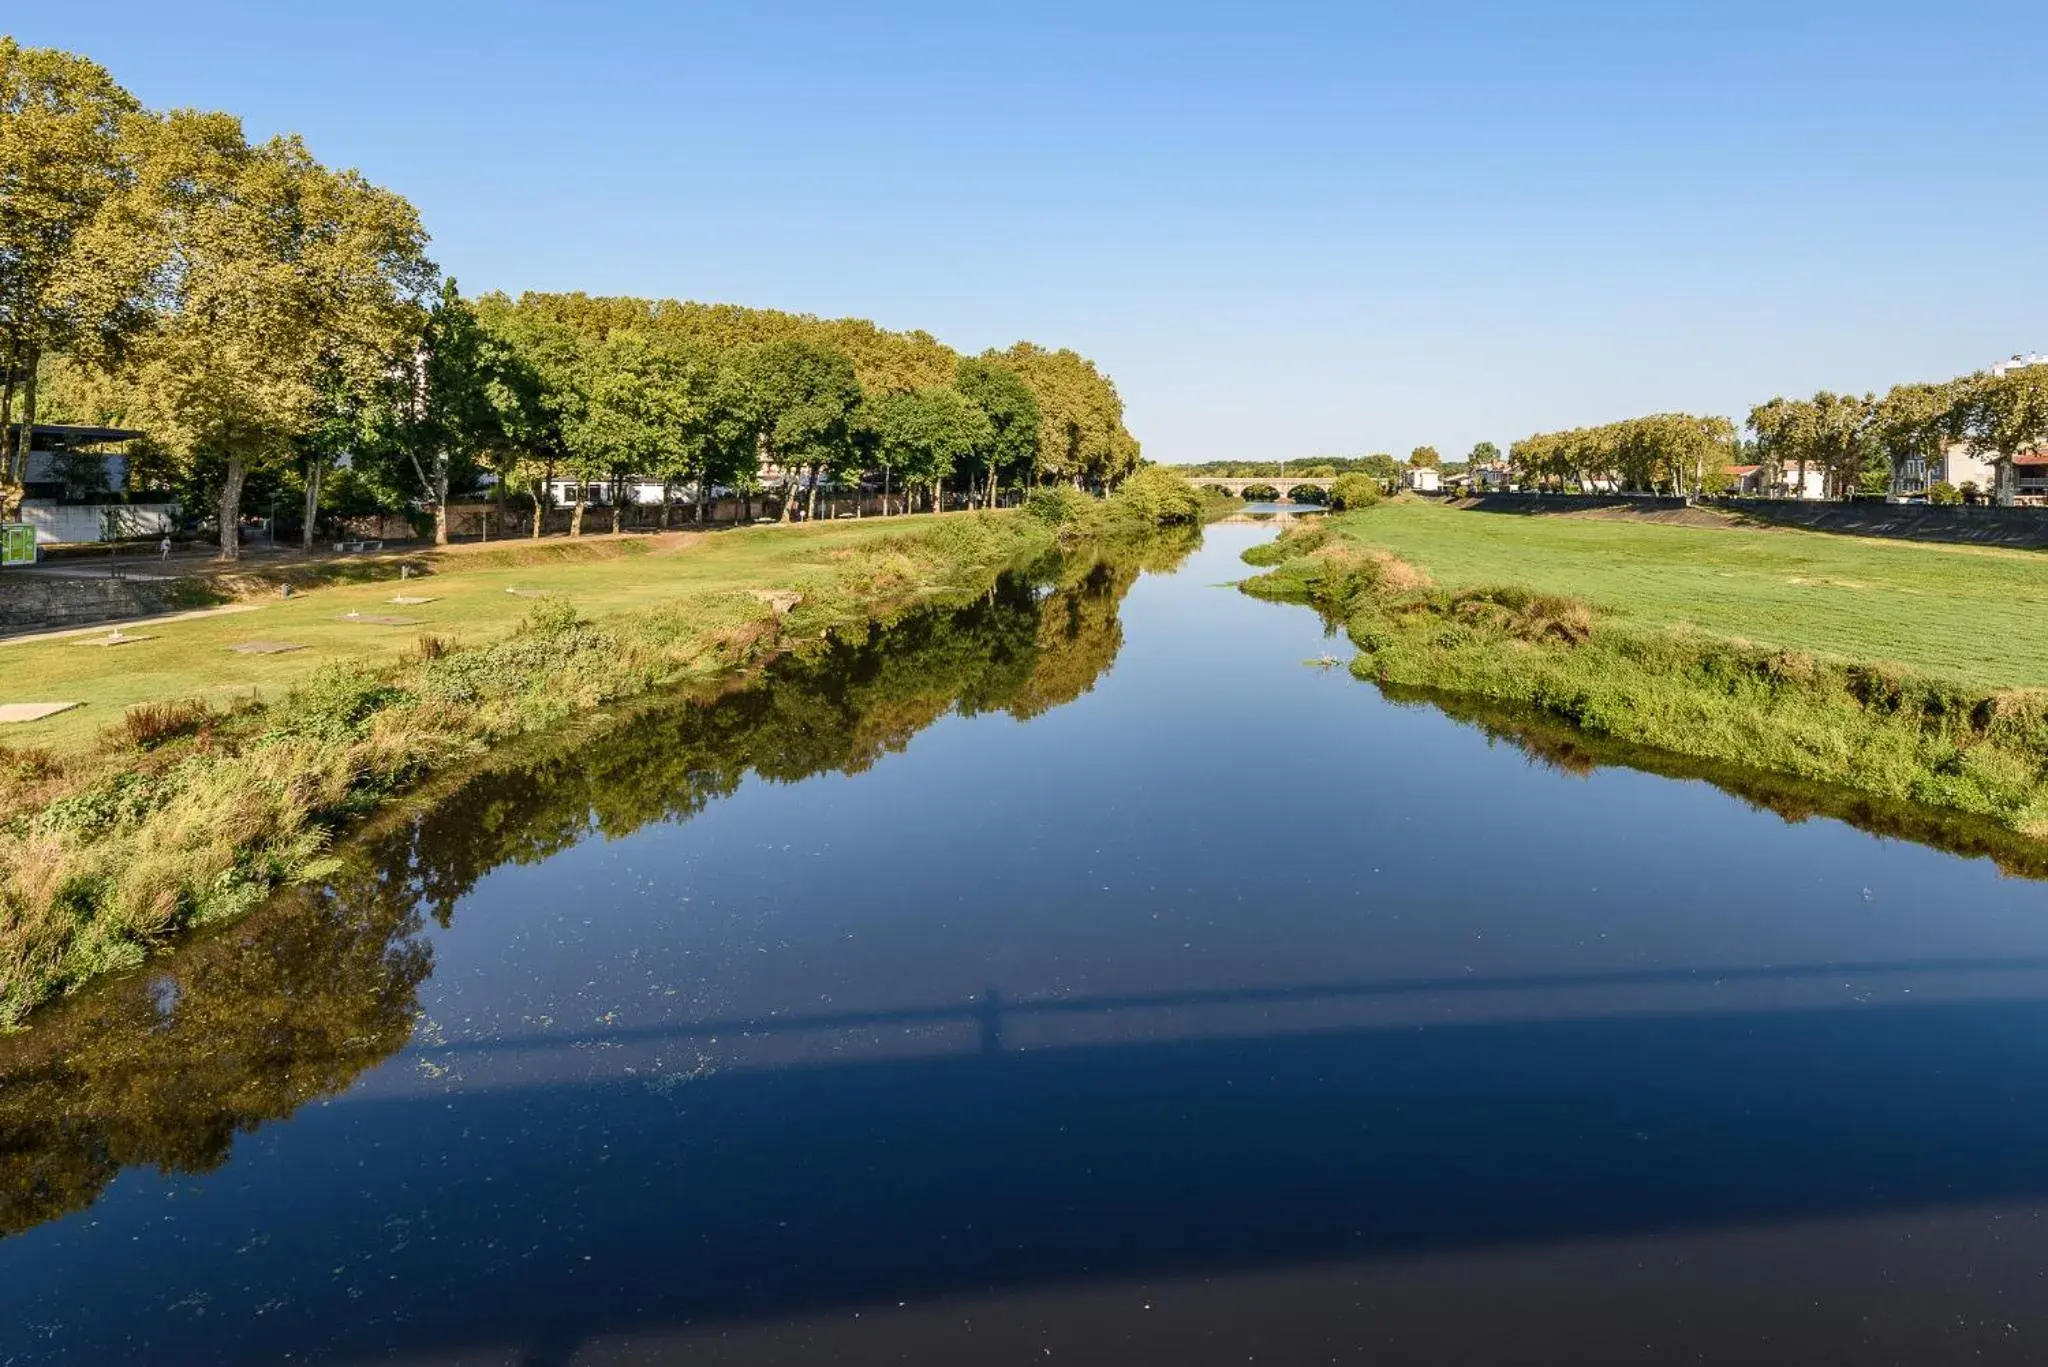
(1285, 229)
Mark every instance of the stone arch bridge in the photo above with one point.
(1286, 486)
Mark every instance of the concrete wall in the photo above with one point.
(1981, 524)
(44, 602)
(74, 523)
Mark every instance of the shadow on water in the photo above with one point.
(245, 1026)
(718, 1201)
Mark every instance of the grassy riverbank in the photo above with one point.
(1909, 672)
(1965, 613)
(197, 780)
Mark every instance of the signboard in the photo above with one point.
(17, 543)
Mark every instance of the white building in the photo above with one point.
(1423, 479)
(1750, 480)
(74, 492)
(641, 489)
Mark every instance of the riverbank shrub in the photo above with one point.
(1261, 493)
(1875, 728)
(1354, 491)
(1158, 497)
(1153, 497)
(1314, 494)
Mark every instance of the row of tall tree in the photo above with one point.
(261, 317)
(1868, 444)
(1874, 444)
(1676, 452)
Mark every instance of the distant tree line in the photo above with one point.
(276, 330)
(1678, 452)
(1868, 445)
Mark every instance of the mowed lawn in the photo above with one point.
(1972, 614)
(599, 575)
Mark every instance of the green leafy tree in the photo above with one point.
(1909, 427)
(72, 270)
(533, 393)
(927, 433)
(1425, 457)
(441, 414)
(284, 276)
(1082, 438)
(804, 399)
(1015, 423)
(2003, 416)
(648, 411)
(1484, 453)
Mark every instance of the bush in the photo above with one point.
(1354, 491)
(1160, 497)
(1260, 493)
(1057, 505)
(150, 724)
(1943, 494)
(1310, 493)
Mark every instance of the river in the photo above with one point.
(1079, 973)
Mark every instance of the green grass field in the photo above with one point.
(1973, 615)
(601, 576)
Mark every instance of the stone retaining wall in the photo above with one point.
(2025, 528)
(48, 602)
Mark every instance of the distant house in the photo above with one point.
(1957, 465)
(1752, 480)
(642, 489)
(1423, 479)
(74, 491)
(2030, 475)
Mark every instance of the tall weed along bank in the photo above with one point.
(1878, 728)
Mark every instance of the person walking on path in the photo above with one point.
(163, 549)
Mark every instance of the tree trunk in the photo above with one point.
(668, 502)
(441, 505)
(231, 509)
(703, 497)
(314, 469)
(618, 507)
(788, 495)
(6, 417)
(16, 463)
(811, 510)
(576, 518)
(885, 491)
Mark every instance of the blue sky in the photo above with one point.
(1285, 229)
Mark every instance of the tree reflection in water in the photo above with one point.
(292, 1003)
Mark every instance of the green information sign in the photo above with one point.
(17, 544)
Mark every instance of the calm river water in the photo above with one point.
(1075, 975)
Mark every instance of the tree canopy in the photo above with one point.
(260, 316)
